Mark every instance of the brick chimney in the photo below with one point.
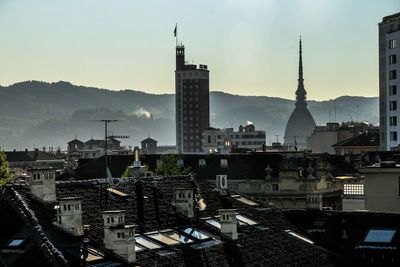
(118, 237)
(183, 200)
(42, 184)
(227, 219)
(69, 215)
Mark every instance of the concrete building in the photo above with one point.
(192, 106)
(301, 123)
(382, 187)
(224, 140)
(389, 81)
(349, 137)
(323, 137)
(359, 144)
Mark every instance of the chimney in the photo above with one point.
(42, 184)
(183, 200)
(118, 237)
(222, 182)
(69, 215)
(136, 170)
(227, 219)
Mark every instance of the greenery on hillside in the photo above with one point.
(51, 114)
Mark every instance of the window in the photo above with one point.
(209, 139)
(393, 105)
(392, 44)
(393, 121)
(245, 219)
(214, 223)
(393, 136)
(275, 187)
(146, 243)
(392, 90)
(392, 75)
(195, 233)
(305, 239)
(224, 163)
(162, 238)
(180, 161)
(392, 59)
(380, 236)
(176, 236)
(353, 189)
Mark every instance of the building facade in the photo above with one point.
(192, 108)
(382, 187)
(224, 140)
(389, 71)
(149, 146)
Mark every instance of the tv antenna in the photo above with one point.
(106, 138)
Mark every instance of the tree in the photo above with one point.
(5, 174)
(169, 166)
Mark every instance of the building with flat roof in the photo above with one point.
(389, 81)
(192, 104)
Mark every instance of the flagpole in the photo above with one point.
(176, 34)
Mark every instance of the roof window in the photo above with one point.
(380, 236)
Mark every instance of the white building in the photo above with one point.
(224, 140)
(389, 85)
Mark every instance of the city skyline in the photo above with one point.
(250, 48)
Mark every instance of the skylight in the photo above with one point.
(162, 238)
(214, 223)
(195, 233)
(245, 220)
(146, 243)
(178, 237)
(380, 235)
(305, 239)
(16, 242)
(244, 200)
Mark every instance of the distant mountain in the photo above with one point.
(50, 114)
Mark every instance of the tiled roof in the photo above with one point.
(365, 139)
(264, 244)
(344, 232)
(29, 156)
(17, 222)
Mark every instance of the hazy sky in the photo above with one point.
(251, 47)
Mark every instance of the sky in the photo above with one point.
(250, 47)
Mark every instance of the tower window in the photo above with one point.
(392, 59)
(392, 44)
(392, 75)
(393, 121)
(393, 105)
(393, 136)
(392, 90)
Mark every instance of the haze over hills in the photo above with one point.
(50, 114)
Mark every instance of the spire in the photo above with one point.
(300, 92)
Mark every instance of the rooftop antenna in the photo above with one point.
(277, 137)
(106, 138)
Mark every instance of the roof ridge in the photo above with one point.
(30, 216)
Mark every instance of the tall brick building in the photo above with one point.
(192, 105)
